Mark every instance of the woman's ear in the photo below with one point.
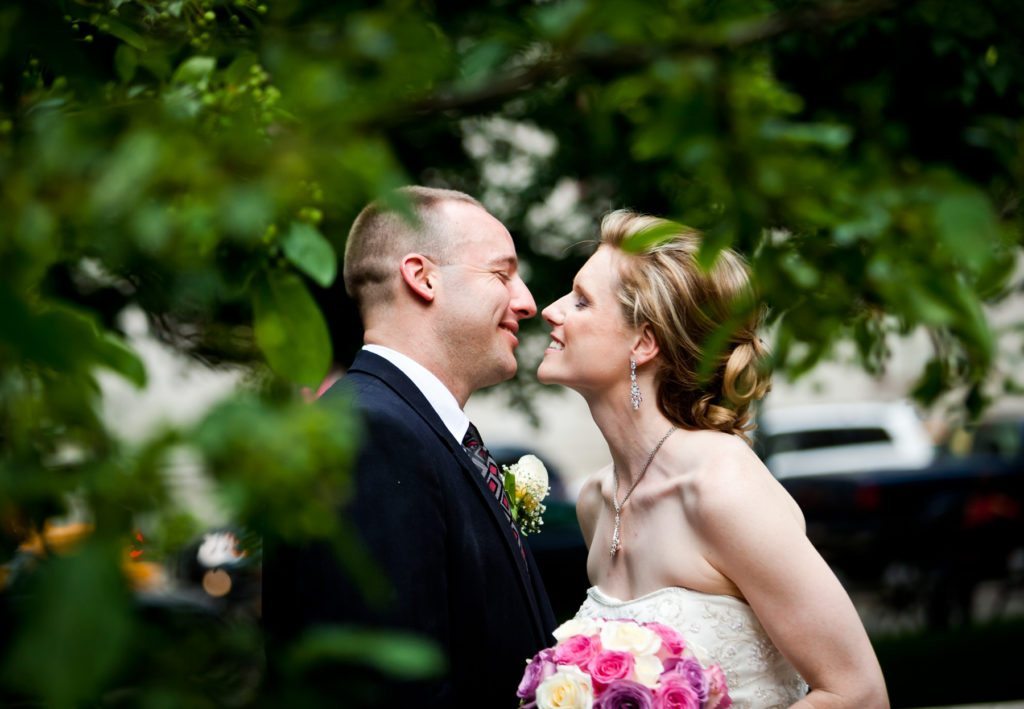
(419, 274)
(646, 346)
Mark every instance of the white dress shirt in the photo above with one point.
(436, 393)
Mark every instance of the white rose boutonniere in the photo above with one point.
(526, 483)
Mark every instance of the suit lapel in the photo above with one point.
(378, 367)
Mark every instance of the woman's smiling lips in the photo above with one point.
(555, 345)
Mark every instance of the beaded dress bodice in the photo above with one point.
(721, 630)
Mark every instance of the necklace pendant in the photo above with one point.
(615, 536)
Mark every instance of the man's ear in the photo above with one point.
(646, 346)
(419, 274)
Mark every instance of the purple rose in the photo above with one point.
(690, 670)
(539, 669)
(625, 694)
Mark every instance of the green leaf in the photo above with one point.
(932, 382)
(830, 136)
(194, 70)
(649, 238)
(76, 630)
(238, 71)
(246, 211)
(122, 31)
(310, 252)
(994, 279)
(116, 356)
(557, 19)
(873, 222)
(290, 328)
(803, 274)
(65, 340)
(971, 325)
(481, 61)
(965, 220)
(397, 654)
(126, 61)
(510, 490)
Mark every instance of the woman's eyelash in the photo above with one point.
(581, 303)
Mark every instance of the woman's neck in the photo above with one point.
(630, 434)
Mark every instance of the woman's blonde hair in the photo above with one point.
(693, 312)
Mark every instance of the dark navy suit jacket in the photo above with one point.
(455, 573)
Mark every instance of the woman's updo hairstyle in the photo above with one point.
(665, 287)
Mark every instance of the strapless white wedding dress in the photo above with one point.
(721, 630)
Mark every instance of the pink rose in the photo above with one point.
(577, 650)
(672, 643)
(610, 665)
(675, 692)
(718, 691)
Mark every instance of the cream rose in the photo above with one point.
(532, 476)
(577, 626)
(630, 637)
(647, 670)
(568, 688)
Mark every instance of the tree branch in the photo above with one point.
(514, 82)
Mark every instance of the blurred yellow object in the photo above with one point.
(57, 538)
(144, 575)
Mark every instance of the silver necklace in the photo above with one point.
(616, 542)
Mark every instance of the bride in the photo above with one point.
(686, 526)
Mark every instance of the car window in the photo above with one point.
(824, 438)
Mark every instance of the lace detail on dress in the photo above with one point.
(719, 629)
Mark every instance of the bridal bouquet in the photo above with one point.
(620, 663)
(526, 483)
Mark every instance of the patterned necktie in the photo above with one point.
(492, 476)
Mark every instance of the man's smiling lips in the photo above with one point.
(512, 328)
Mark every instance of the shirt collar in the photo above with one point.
(435, 392)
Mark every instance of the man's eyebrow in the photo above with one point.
(509, 261)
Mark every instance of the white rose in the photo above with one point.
(532, 475)
(630, 637)
(568, 688)
(648, 669)
(218, 549)
(577, 626)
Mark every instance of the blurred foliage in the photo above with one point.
(200, 161)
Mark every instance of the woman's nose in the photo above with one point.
(553, 313)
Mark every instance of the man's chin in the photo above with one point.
(499, 375)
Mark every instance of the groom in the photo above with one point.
(441, 300)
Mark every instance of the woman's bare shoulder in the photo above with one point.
(592, 489)
(725, 476)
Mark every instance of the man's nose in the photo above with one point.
(522, 300)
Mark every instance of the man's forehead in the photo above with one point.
(476, 225)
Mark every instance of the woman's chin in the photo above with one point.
(546, 375)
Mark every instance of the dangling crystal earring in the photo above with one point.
(634, 390)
